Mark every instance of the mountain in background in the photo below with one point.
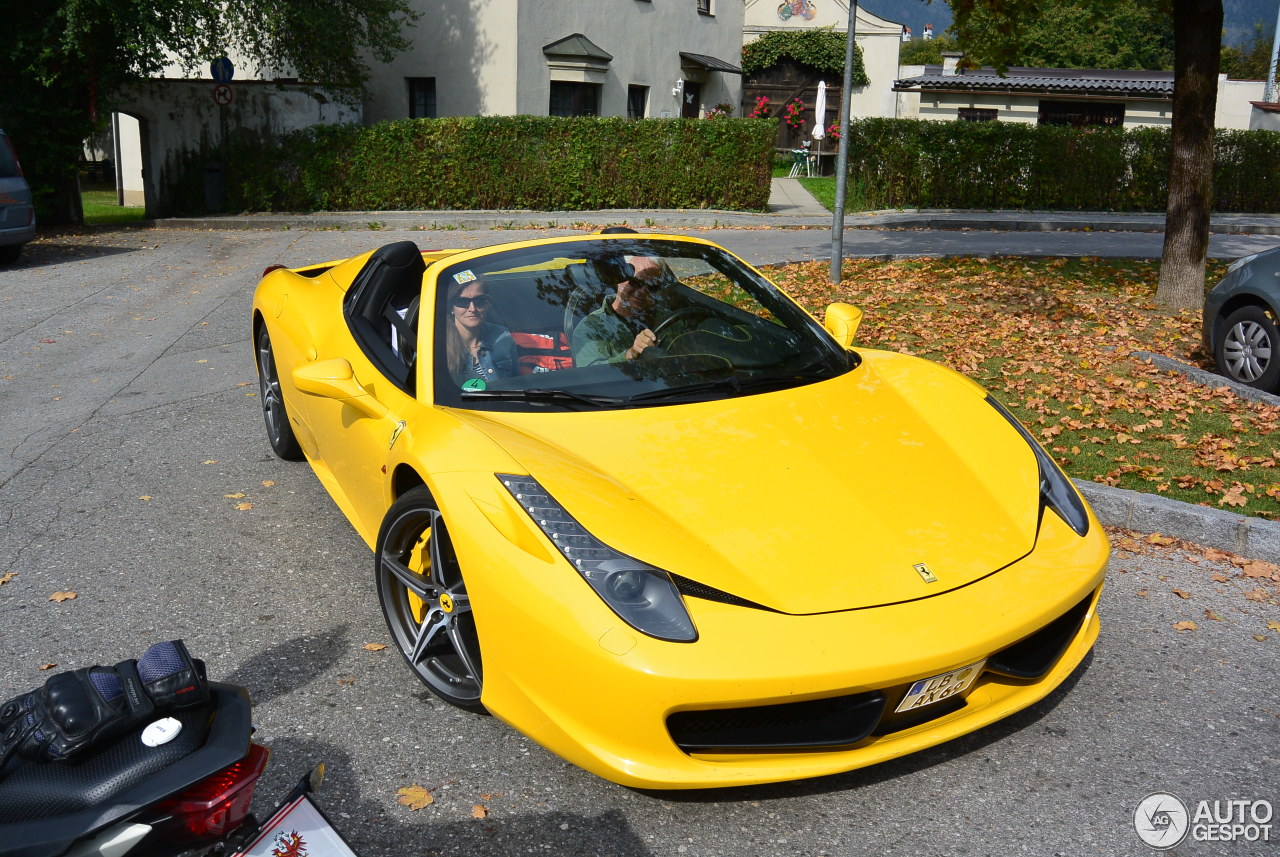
(1239, 16)
(916, 13)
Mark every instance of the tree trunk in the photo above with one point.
(1197, 32)
(66, 207)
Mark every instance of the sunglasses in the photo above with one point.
(479, 302)
(651, 283)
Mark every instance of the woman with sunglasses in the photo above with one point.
(474, 348)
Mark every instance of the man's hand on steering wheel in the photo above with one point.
(644, 339)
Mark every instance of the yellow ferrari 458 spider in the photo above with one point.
(629, 497)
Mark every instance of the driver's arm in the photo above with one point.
(600, 339)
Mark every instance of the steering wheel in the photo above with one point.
(681, 314)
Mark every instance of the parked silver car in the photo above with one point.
(1242, 321)
(17, 215)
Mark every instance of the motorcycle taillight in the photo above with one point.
(216, 805)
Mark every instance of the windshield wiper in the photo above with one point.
(733, 385)
(540, 395)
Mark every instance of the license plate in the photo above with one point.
(930, 690)
(298, 829)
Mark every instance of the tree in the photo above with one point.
(1115, 34)
(68, 60)
(999, 30)
(1249, 60)
(926, 51)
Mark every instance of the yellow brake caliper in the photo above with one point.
(420, 561)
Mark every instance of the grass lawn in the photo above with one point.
(1052, 339)
(100, 208)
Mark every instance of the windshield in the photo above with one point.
(612, 322)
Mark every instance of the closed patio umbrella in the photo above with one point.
(820, 111)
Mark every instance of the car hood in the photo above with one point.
(820, 498)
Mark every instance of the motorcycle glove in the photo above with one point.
(82, 708)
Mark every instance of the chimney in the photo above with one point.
(949, 61)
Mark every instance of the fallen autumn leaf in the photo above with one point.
(415, 797)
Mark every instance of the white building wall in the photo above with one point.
(645, 40)
(174, 117)
(1266, 120)
(486, 56)
(130, 189)
(1233, 108)
(469, 48)
(945, 107)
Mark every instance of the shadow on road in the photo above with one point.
(445, 827)
(291, 664)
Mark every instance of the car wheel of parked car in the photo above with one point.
(10, 253)
(279, 433)
(1249, 349)
(425, 602)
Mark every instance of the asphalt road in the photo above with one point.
(129, 414)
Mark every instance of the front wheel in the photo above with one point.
(425, 601)
(279, 433)
(1249, 349)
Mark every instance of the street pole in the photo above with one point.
(842, 159)
(1270, 96)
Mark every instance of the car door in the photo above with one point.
(361, 386)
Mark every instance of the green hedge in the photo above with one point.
(496, 162)
(909, 163)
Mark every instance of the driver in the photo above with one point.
(620, 328)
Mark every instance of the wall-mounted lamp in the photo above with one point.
(678, 89)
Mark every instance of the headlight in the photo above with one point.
(1243, 260)
(643, 596)
(1056, 490)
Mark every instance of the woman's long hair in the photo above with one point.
(455, 352)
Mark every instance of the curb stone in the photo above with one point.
(1207, 378)
(1216, 528)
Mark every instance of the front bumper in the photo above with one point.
(562, 669)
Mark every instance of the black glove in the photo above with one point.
(80, 709)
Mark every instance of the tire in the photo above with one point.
(284, 443)
(424, 600)
(10, 253)
(1248, 351)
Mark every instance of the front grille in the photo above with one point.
(841, 721)
(1033, 657)
(834, 722)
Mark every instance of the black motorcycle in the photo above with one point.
(146, 758)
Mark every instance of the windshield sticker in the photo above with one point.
(464, 277)
(474, 384)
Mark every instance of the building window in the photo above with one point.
(422, 97)
(704, 7)
(978, 114)
(637, 101)
(1080, 113)
(569, 98)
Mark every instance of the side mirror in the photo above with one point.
(842, 321)
(335, 379)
